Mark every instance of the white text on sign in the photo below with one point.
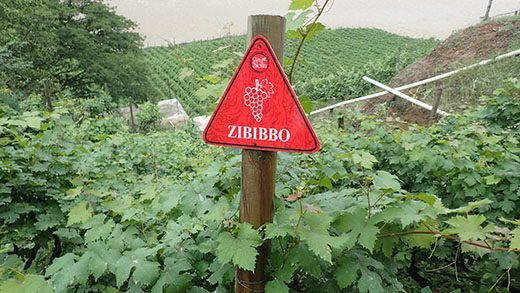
(259, 133)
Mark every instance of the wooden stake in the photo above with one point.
(259, 167)
(436, 103)
(488, 9)
(132, 120)
(47, 94)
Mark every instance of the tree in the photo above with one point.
(74, 45)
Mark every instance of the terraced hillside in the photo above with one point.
(179, 70)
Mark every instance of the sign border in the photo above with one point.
(293, 95)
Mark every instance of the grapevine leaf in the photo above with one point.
(313, 30)
(240, 250)
(492, 179)
(299, 255)
(34, 122)
(274, 230)
(317, 237)
(79, 213)
(368, 237)
(172, 278)
(276, 286)
(358, 228)
(29, 283)
(325, 182)
(300, 4)
(306, 104)
(99, 232)
(384, 180)
(421, 240)
(407, 213)
(346, 274)
(471, 206)
(294, 23)
(62, 272)
(146, 272)
(472, 248)
(123, 268)
(468, 228)
(364, 159)
(48, 220)
(369, 282)
(515, 241)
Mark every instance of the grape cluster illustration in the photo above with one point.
(255, 96)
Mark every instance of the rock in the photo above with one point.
(172, 112)
(201, 122)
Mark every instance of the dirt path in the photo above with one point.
(186, 20)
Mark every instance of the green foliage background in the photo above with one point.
(158, 212)
(327, 60)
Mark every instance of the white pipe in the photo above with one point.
(415, 84)
(404, 96)
(368, 97)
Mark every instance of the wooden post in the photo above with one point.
(398, 59)
(259, 167)
(132, 120)
(47, 94)
(435, 107)
(488, 9)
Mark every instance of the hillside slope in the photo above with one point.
(461, 91)
(331, 51)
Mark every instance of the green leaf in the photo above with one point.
(468, 228)
(146, 272)
(420, 240)
(313, 30)
(241, 250)
(515, 240)
(346, 275)
(123, 268)
(274, 230)
(306, 104)
(99, 231)
(300, 4)
(408, 212)
(62, 272)
(384, 180)
(34, 122)
(325, 182)
(315, 233)
(48, 220)
(358, 228)
(172, 278)
(276, 286)
(492, 179)
(471, 206)
(148, 193)
(294, 23)
(79, 213)
(29, 283)
(364, 159)
(370, 282)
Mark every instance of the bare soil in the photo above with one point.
(466, 47)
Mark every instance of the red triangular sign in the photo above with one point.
(259, 109)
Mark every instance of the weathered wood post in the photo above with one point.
(488, 9)
(47, 94)
(259, 167)
(436, 103)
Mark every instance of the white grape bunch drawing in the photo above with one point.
(254, 97)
